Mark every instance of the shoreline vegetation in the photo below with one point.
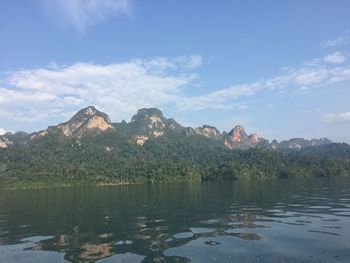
(31, 185)
(56, 183)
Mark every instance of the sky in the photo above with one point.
(279, 68)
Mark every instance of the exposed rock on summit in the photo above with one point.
(238, 138)
(238, 134)
(299, 143)
(85, 121)
(208, 131)
(150, 123)
(254, 138)
(10, 138)
(4, 142)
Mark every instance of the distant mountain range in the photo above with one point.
(150, 123)
(90, 149)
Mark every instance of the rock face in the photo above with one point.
(10, 138)
(4, 142)
(139, 139)
(300, 143)
(238, 134)
(254, 138)
(188, 131)
(149, 123)
(208, 131)
(85, 121)
(294, 143)
(237, 138)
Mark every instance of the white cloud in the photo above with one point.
(81, 14)
(335, 58)
(221, 99)
(343, 117)
(192, 62)
(120, 89)
(2, 131)
(337, 42)
(309, 77)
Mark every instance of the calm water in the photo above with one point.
(266, 221)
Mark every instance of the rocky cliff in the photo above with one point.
(87, 120)
(237, 138)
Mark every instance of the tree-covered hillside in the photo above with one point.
(112, 158)
(90, 149)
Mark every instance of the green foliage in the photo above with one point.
(110, 158)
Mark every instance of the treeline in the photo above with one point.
(111, 158)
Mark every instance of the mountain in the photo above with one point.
(333, 150)
(237, 138)
(147, 123)
(299, 143)
(84, 121)
(9, 138)
(206, 131)
(150, 123)
(90, 149)
(5, 142)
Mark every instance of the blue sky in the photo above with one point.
(279, 68)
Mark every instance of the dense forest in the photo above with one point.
(112, 158)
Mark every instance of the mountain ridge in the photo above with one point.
(150, 123)
(90, 149)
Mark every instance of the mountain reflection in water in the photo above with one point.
(261, 221)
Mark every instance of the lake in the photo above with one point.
(304, 220)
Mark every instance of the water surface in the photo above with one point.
(259, 221)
